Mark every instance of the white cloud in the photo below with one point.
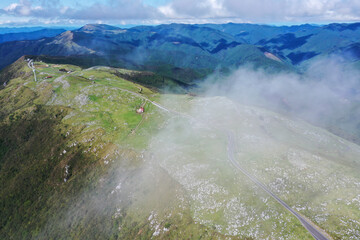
(110, 10)
(11, 7)
(23, 8)
(189, 11)
(194, 9)
(116, 10)
(266, 11)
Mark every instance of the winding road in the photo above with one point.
(31, 66)
(317, 234)
(154, 103)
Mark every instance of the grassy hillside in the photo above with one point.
(78, 162)
(60, 136)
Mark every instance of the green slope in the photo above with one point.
(77, 162)
(64, 141)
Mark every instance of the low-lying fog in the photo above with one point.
(326, 94)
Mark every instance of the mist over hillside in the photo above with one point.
(325, 94)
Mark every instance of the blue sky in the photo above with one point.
(122, 12)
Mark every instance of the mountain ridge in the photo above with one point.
(141, 47)
(77, 161)
(199, 49)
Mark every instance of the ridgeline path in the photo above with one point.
(30, 64)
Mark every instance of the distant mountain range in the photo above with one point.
(20, 36)
(5, 30)
(297, 44)
(189, 52)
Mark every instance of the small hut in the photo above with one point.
(140, 110)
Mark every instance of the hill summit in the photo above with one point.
(98, 27)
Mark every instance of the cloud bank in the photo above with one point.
(326, 94)
(140, 11)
